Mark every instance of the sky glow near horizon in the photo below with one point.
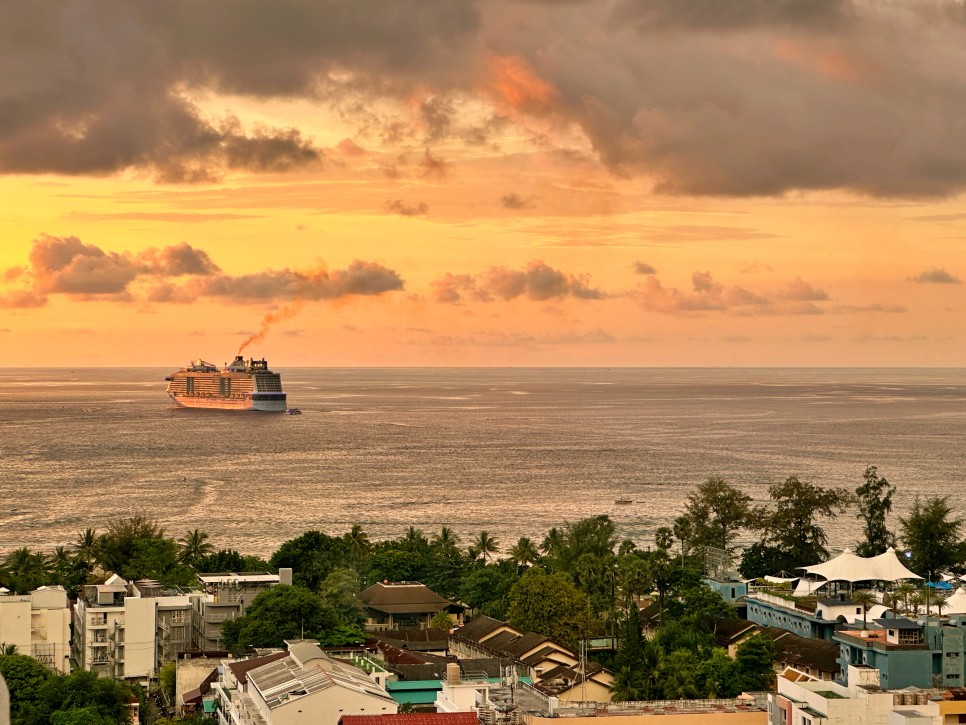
(527, 182)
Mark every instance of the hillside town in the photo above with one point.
(681, 633)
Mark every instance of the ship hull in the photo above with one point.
(276, 404)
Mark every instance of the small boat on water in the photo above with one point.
(622, 501)
(293, 411)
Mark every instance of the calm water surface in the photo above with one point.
(513, 451)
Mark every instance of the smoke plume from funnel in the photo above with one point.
(270, 320)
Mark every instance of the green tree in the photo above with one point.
(446, 541)
(487, 589)
(793, 525)
(485, 545)
(193, 546)
(280, 613)
(359, 546)
(223, 560)
(629, 650)
(117, 544)
(25, 677)
(340, 591)
(167, 677)
(664, 538)
(524, 553)
(864, 599)
(87, 546)
(551, 605)
(754, 665)
(932, 536)
(25, 570)
(716, 512)
(875, 503)
(441, 620)
(391, 561)
(312, 557)
(762, 558)
(82, 698)
(156, 559)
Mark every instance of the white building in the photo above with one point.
(125, 630)
(39, 625)
(303, 685)
(805, 701)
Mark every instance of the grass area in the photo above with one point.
(829, 695)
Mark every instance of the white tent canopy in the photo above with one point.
(851, 568)
(956, 603)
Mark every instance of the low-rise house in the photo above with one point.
(38, 624)
(226, 595)
(428, 641)
(302, 685)
(402, 605)
(429, 718)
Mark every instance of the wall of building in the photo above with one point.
(140, 627)
(704, 718)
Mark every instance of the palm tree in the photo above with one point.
(553, 542)
(916, 600)
(194, 545)
(87, 546)
(446, 540)
(415, 537)
(864, 599)
(9, 649)
(905, 590)
(26, 569)
(359, 544)
(486, 545)
(524, 552)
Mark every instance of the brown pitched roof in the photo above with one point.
(403, 598)
(479, 627)
(803, 651)
(241, 669)
(729, 631)
(524, 644)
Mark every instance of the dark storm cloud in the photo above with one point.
(95, 86)
(717, 15)
(701, 97)
(176, 274)
(936, 275)
(644, 268)
(777, 103)
(538, 281)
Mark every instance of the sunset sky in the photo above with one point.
(489, 182)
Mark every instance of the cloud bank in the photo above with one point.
(178, 273)
(737, 98)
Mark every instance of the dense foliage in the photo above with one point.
(38, 696)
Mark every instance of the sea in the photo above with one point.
(513, 451)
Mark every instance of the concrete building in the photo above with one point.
(225, 597)
(39, 625)
(302, 685)
(128, 630)
(862, 702)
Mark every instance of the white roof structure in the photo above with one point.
(851, 568)
(956, 603)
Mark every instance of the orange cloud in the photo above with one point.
(516, 85)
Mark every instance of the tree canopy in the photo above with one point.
(551, 605)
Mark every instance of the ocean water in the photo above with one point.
(512, 451)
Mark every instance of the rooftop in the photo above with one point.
(403, 598)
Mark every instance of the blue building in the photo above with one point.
(908, 653)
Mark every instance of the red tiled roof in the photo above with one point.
(416, 718)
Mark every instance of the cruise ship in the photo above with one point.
(243, 385)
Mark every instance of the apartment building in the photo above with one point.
(38, 624)
(225, 596)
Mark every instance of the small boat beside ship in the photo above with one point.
(242, 385)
